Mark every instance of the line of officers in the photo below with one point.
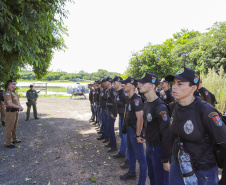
(151, 112)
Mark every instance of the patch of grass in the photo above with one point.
(56, 81)
(53, 89)
(50, 96)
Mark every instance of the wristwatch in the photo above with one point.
(137, 136)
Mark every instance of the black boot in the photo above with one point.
(3, 124)
(108, 145)
(119, 155)
(106, 140)
(128, 175)
(112, 149)
(125, 165)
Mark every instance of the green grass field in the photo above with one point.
(53, 89)
(56, 81)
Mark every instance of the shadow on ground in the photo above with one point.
(58, 151)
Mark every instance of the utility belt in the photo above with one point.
(109, 106)
(206, 166)
(8, 109)
(200, 166)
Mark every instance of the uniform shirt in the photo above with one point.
(103, 99)
(156, 126)
(120, 101)
(11, 95)
(110, 94)
(168, 97)
(91, 95)
(97, 94)
(1, 96)
(133, 105)
(32, 95)
(184, 124)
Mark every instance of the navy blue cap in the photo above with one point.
(130, 80)
(185, 74)
(109, 79)
(117, 78)
(97, 82)
(149, 78)
(103, 80)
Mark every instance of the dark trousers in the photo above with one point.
(105, 134)
(111, 128)
(93, 112)
(156, 173)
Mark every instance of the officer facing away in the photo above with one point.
(134, 121)
(2, 106)
(32, 97)
(13, 107)
(195, 127)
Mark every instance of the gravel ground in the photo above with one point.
(59, 148)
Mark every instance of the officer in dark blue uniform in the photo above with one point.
(120, 101)
(111, 114)
(91, 90)
(157, 133)
(103, 100)
(96, 100)
(134, 121)
(197, 126)
(166, 93)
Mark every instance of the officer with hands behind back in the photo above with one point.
(195, 128)
(13, 107)
(157, 133)
(32, 97)
(134, 121)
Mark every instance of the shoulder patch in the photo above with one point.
(7, 93)
(217, 120)
(164, 115)
(136, 102)
(206, 93)
(126, 94)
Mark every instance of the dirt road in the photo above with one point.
(59, 148)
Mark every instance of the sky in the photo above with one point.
(104, 33)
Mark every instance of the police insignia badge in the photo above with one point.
(164, 117)
(206, 93)
(129, 107)
(217, 120)
(136, 102)
(118, 98)
(7, 93)
(132, 80)
(180, 71)
(153, 80)
(196, 79)
(188, 127)
(114, 93)
(126, 94)
(149, 117)
(118, 79)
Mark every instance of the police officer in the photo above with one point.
(166, 93)
(91, 99)
(32, 97)
(205, 94)
(157, 133)
(2, 106)
(96, 100)
(195, 125)
(103, 100)
(120, 101)
(13, 107)
(111, 115)
(134, 121)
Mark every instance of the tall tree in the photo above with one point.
(30, 30)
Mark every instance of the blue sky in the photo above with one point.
(103, 33)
